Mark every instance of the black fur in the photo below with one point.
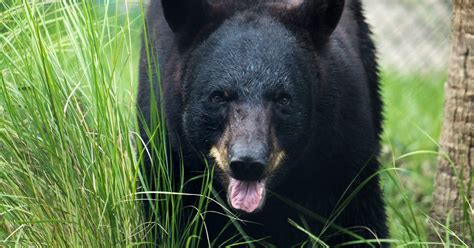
(255, 50)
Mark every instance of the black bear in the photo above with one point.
(282, 97)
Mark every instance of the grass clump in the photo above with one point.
(71, 154)
(413, 107)
(68, 164)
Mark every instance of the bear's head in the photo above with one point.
(248, 85)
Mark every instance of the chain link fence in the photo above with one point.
(412, 36)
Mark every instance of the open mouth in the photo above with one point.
(247, 196)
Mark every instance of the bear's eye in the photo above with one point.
(283, 99)
(219, 97)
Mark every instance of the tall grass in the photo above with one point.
(70, 152)
(68, 163)
(413, 117)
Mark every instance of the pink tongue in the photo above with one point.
(246, 196)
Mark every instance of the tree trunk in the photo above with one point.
(453, 199)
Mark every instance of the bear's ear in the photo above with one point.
(187, 15)
(320, 17)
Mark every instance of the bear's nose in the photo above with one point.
(247, 168)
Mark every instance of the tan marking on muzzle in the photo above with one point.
(220, 152)
(220, 156)
(275, 160)
(277, 155)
